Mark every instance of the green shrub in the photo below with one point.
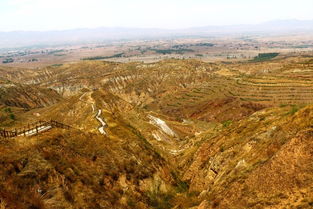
(227, 123)
(7, 110)
(12, 116)
(104, 57)
(56, 65)
(172, 51)
(160, 200)
(293, 110)
(222, 149)
(264, 57)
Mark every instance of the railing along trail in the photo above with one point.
(33, 129)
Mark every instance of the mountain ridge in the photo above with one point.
(89, 35)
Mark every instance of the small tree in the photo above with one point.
(12, 116)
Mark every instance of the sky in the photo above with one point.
(42, 15)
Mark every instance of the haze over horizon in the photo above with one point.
(45, 15)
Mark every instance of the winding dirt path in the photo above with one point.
(90, 101)
(103, 124)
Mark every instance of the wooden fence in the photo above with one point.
(33, 129)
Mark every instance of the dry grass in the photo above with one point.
(3, 204)
(72, 170)
(262, 163)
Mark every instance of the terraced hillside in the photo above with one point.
(280, 89)
(289, 83)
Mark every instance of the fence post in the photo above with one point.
(32, 127)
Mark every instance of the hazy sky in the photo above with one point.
(69, 14)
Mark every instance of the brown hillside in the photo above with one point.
(171, 134)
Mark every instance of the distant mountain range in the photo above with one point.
(31, 38)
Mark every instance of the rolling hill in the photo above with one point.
(170, 134)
